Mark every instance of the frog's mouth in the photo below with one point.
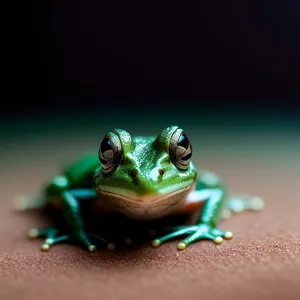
(145, 207)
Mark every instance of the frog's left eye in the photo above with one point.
(180, 150)
(110, 153)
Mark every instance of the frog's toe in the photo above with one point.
(111, 246)
(101, 240)
(33, 233)
(227, 235)
(48, 233)
(51, 241)
(92, 248)
(181, 245)
(45, 247)
(182, 231)
(155, 243)
(218, 240)
(196, 236)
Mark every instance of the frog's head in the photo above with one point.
(145, 177)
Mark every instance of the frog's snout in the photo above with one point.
(155, 175)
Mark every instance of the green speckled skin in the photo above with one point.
(144, 178)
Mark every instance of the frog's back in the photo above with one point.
(81, 172)
(75, 176)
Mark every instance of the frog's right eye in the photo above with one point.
(110, 153)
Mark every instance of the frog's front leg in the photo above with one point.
(71, 214)
(205, 227)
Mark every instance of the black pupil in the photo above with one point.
(183, 141)
(105, 145)
(187, 157)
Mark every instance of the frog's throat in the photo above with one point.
(145, 207)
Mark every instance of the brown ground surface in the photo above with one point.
(261, 262)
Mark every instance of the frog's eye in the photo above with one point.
(110, 153)
(180, 150)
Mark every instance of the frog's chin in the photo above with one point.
(145, 207)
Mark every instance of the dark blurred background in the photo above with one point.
(232, 57)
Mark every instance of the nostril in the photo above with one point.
(161, 171)
(134, 173)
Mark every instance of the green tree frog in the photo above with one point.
(142, 178)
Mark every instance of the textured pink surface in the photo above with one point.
(261, 262)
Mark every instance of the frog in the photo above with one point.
(143, 178)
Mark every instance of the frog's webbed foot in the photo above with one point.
(52, 236)
(194, 233)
